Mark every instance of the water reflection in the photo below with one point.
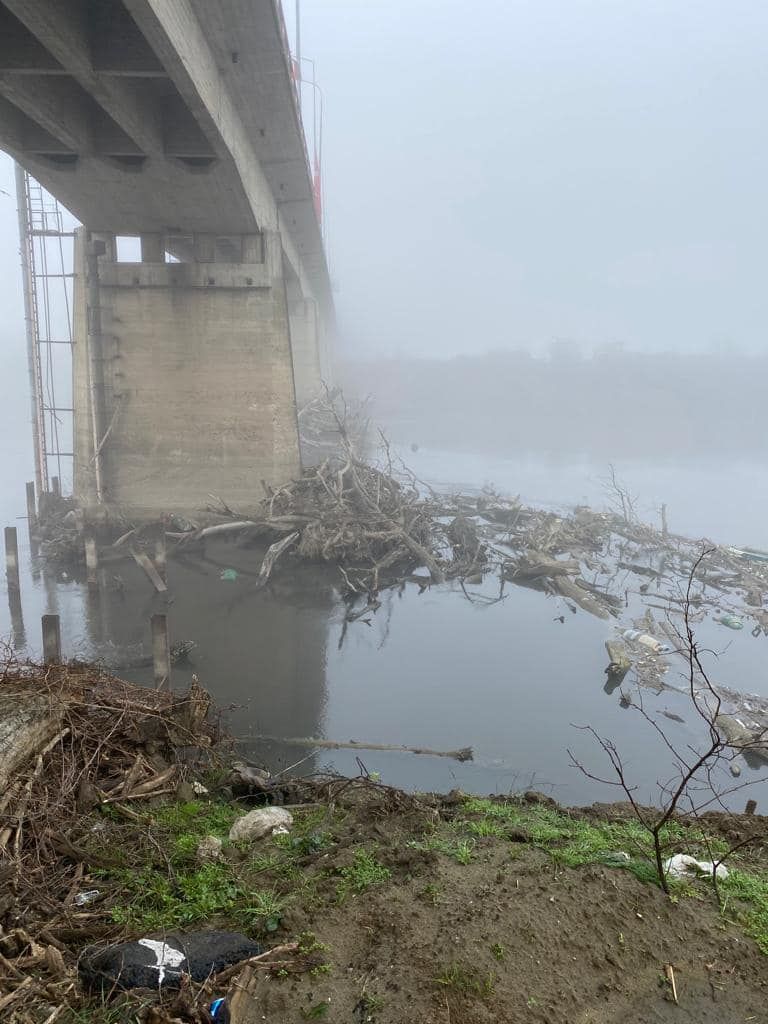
(511, 678)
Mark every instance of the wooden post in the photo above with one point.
(664, 528)
(161, 652)
(31, 508)
(12, 557)
(751, 807)
(161, 557)
(56, 486)
(91, 559)
(51, 639)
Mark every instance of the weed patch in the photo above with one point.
(467, 981)
(363, 872)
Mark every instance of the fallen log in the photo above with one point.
(145, 562)
(28, 721)
(273, 553)
(534, 565)
(464, 754)
(740, 738)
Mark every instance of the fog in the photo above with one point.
(545, 225)
(524, 172)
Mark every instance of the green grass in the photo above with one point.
(363, 872)
(153, 900)
(467, 981)
(573, 842)
(98, 1012)
(264, 910)
(165, 887)
(461, 850)
(315, 1012)
(745, 896)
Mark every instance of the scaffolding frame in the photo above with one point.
(45, 277)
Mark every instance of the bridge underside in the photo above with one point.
(175, 121)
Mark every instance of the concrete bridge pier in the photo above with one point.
(184, 371)
(308, 346)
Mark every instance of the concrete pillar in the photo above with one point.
(152, 249)
(198, 382)
(305, 348)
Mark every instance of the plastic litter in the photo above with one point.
(646, 640)
(219, 1011)
(208, 849)
(162, 962)
(683, 866)
(82, 899)
(731, 621)
(228, 575)
(261, 822)
(616, 858)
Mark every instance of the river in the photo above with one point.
(431, 669)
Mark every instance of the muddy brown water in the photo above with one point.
(431, 669)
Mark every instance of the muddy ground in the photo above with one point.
(410, 911)
(509, 935)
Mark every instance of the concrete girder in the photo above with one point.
(63, 30)
(175, 34)
(22, 136)
(58, 105)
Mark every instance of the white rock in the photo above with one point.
(261, 822)
(208, 849)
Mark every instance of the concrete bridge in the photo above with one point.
(176, 121)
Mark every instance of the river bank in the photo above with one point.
(382, 905)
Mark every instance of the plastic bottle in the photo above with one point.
(646, 640)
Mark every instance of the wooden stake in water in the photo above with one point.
(161, 557)
(56, 486)
(12, 558)
(51, 639)
(161, 651)
(91, 560)
(31, 508)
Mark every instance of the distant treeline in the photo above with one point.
(613, 404)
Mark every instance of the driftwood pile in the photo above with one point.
(73, 738)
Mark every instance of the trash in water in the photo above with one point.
(228, 575)
(619, 661)
(750, 554)
(683, 866)
(82, 899)
(731, 621)
(647, 641)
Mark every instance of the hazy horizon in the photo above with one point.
(583, 171)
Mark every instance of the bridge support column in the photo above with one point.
(305, 345)
(183, 374)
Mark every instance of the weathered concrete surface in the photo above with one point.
(198, 384)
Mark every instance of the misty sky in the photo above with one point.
(517, 172)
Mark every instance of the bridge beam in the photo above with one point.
(62, 30)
